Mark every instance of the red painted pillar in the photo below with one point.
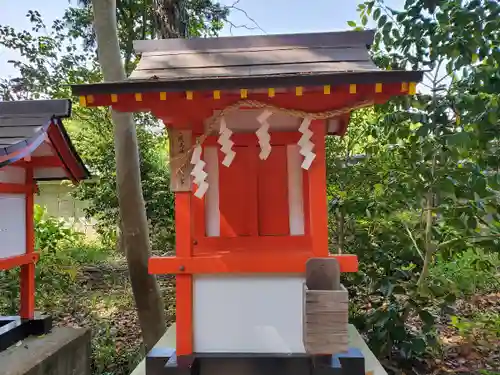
(28, 270)
(318, 211)
(184, 283)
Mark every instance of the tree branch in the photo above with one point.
(251, 19)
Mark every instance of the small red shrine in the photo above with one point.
(247, 119)
(34, 146)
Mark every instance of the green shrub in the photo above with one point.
(482, 328)
(472, 271)
(62, 250)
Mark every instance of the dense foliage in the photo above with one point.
(426, 184)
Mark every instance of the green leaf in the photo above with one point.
(351, 23)
(381, 21)
(418, 346)
(427, 317)
(376, 14)
(459, 139)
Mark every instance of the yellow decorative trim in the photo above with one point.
(138, 97)
(270, 92)
(90, 99)
(412, 90)
(163, 95)
(216, 94)
(114, 98)
(326, 89)
(352, 88)
(83, 101)
(244, 93)
(404, 86)
(298, 90)
(189, 95)
(378, 87)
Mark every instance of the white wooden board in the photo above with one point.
(12, 175)
(12, 225)
(248, 314)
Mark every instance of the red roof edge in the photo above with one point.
(73, 164)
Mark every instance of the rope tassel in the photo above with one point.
(263, 134)
(198, 173)
(226, 143)
(305, 144)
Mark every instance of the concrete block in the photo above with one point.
(64, 351)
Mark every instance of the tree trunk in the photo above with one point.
(135, 234)
(171, 18)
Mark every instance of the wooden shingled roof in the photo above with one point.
(253, 62)
(34, 129)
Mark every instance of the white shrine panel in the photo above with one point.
(295, 190)
(248, 314)
(12, 175)
(212, 213)
(12, 225)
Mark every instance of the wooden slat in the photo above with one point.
(251, 58)
(24, 108)
(18, 131)
(256, 70)
(19, 121)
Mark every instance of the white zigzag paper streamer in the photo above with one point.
(226, 143)
(263, 135)
(198, 173)
(305, 144)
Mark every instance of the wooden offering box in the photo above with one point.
(325, 308)
(247, 119)
(325, 321)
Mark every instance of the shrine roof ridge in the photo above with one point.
(297, 40)
(252, 62)
(53, 108)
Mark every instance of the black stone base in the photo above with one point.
(14, 329)
(165, 362)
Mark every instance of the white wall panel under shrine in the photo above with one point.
(12, 225)
(248, 314)
(12, 175)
